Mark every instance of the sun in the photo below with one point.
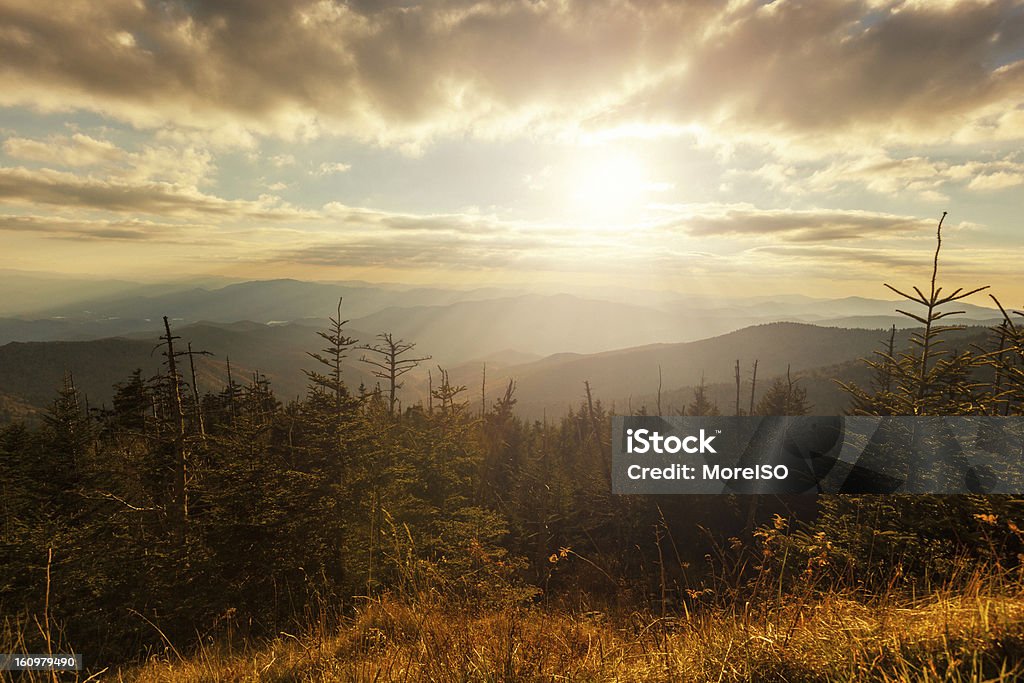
(607, 188)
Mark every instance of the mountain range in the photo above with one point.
(549, 344)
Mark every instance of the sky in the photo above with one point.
(730, 147)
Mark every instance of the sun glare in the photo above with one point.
(608, 189)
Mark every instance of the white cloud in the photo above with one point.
(75, 150)
(330, 168)
(884, 174)
(998, 180)
(283, 160)
(183, 165)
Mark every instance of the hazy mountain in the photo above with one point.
(550, 343)
(530, 323)
(68, 329)
(900, 321)
(556, 383)
(263, 301)
(547, 325)
(841, 311)
(27, 293)
(451, 325)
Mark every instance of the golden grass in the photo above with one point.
(942, 638)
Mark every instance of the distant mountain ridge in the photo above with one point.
(264, 301)
(30, 373)
(456, 325)
(549, 343)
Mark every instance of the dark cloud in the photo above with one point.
(104, 230)
(398, 71)
(71, 191)
(830, 64)
(968, 267)
(820, 225)
(433, 250)
(436, 253)
(869, 259)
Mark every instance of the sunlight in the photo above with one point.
(608, 189)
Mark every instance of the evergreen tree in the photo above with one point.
(784, 397)
(926, 379)
(331, 357)
(701, 405)
(133, 403)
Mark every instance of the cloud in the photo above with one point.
(76, 150)
(884, 174)
(863, 258)
(433, 251)
(283, 160)
(405, 74)
(189, 165)
(331, 168)
(814, 225)
(966, 266)
(822, 73)
(110, 231)
(70, 191)
(464, 223)
(998, 180)
(765, 240)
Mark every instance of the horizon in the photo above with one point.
(498, 291)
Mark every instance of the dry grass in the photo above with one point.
(974, 633)
(964, 637)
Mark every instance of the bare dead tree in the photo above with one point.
(659, 389)
(197, 406)
(997, 382)
(737, 387)
(506, 402)
(753, 387)
(178, 441)
(789, 388)
(390, 364)
(231, 392)
(180, 500)
(483, 392)
(590, 408)
(891, 350)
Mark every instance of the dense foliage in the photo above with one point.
(307, 506)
